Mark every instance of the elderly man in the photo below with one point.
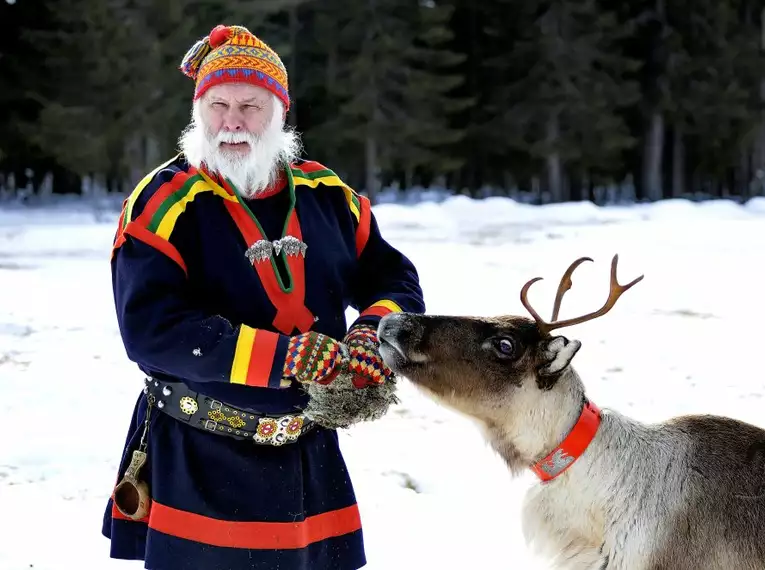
(232, 267)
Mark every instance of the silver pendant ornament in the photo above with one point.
(264, 249)
(292, 246)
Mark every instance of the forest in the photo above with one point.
(549, 101)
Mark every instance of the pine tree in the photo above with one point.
(22, 66)
(564, 90)
(387, 96)
(714, 77)
(90, 57)
(120, 101)
(426, 135)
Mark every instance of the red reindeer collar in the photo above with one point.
(572, 447)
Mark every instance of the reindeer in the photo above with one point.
(612, 493)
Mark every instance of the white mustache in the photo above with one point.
(236, 137)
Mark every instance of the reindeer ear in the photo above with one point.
(557, 354)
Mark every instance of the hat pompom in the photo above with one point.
(193, 58)
(219, 35)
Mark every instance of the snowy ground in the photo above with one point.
(432, 494)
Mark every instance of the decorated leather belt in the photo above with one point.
(208, 414)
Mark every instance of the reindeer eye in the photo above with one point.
(504, 347)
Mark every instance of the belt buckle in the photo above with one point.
(215, 405)
(212, 423)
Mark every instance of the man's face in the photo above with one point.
(236, 108)
(237, 131)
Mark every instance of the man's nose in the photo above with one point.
(233, 121)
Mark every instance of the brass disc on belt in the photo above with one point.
(188, 405)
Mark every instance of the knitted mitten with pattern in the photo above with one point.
(365, 363)
(314, 357)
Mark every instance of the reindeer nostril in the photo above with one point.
(400, 332)
(391, 326)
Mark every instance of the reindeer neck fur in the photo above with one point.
(536, 422)
(573, 517)
(580, 514)
(539, 421)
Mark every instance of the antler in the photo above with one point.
(615, 291)
(565, 285)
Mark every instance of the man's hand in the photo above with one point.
(313, 357)
(365, 363)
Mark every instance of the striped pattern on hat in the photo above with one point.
(232, 54)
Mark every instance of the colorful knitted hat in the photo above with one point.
(232, 54)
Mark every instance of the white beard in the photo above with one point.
(253, 172)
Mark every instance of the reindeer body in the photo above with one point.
(680, 495)
(686, 494)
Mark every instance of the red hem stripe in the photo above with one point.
(254, 535)
(261, 358)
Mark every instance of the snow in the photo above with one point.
(431, 493)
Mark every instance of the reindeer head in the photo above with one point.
(498, 370)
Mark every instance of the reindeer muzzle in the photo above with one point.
(395, 331)
(400, 336)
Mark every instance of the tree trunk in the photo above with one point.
(408, 177)
(294, 26)
(371, 165)
(371, 143)
(678, 163)
(509, 185)
(554, 168)
(743, 175)
(756, 163)
(135, 159)
(152, 155)
(652, 158)
(331, 71)
(584, 187)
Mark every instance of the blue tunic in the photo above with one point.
(192, 307)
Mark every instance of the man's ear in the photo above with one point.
(557, 355)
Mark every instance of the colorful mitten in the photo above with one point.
(365, 364)
(314, 357)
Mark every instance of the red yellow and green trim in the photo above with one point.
(165, 207)
(156, 222)
(131, 200)
(126, 215)
(137, 231)
(310, 173)
(381, 308)
(258, 358)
